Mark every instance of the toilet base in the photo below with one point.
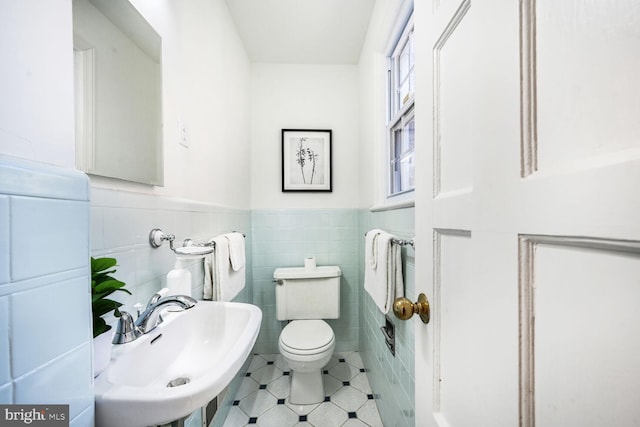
(306, 387)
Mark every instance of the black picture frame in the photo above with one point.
(306, 160)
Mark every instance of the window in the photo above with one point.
(401, 122)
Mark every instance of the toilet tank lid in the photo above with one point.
(307, 273)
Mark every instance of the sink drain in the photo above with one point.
(178, 382)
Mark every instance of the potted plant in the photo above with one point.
(103, 285)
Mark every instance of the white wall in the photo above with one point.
(36, 81)
(205, 84)
(303, 97)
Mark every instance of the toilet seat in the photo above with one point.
(307, 337)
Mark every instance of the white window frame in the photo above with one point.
(400, 111)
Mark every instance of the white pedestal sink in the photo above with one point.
(178, 367)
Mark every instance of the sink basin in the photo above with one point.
(178, 367)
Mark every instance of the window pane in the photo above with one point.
(409, 136)
(403, 94)
(402, 126)
(405, 61)
(402, 171)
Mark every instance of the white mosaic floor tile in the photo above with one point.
(257, 362)
(263, 397)
(266, 374)
(331, 384)
(280, 387)
(270, 357)
(281, 363)
(331, 363)
(355, 360)
(247, 386)
(257, 403)
(354, 422)
(361, 382)
(327, 415)
(344, 371)
(349, 398)
(369, 414)
(236, 418)
(278, 416)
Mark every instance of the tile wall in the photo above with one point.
(32, 275)
(120, 226)
(284, 238)
(45, 313)
(392, 378)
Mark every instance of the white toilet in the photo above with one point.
(305, 296)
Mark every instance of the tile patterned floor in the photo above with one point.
(263, 397)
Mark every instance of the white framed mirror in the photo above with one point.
(118, 92)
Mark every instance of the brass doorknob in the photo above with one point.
(404, 308)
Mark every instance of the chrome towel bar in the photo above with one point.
(402, 242)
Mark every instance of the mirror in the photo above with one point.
(118, 86)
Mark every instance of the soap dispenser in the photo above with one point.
(179, 279)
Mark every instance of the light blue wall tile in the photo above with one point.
(6, 393)
(29, 178)
(5, 373)
(4, 240)
(48, 322)
(125, 227)
(84, 419)
(391, 377)
(284, 238)
(66, 380)
(45, 238)
(48, 236)
(96, 231)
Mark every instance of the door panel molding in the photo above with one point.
(450, 28)
(527, 305)
(528, 107)
(438, 236)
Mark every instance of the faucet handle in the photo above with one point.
(126, 331)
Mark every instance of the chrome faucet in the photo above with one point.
(127, 330)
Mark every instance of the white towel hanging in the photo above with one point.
(383, 277)
(222, 282)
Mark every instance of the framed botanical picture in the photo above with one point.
(306, 160)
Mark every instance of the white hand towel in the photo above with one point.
(384, 282)
(236, 250)
(222, 283)
(371, 248)
(395, 273)
(211, 290)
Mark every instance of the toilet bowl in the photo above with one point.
(304, 297)
(306, 346)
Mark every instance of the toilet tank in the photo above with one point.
(303, 293)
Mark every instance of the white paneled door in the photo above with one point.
(528, 213)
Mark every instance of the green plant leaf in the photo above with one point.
(109, 286)
(101, 264)
(99, 326)
(101, 277)
(104, 306)
(103, 285)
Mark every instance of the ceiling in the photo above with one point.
(302, 31)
